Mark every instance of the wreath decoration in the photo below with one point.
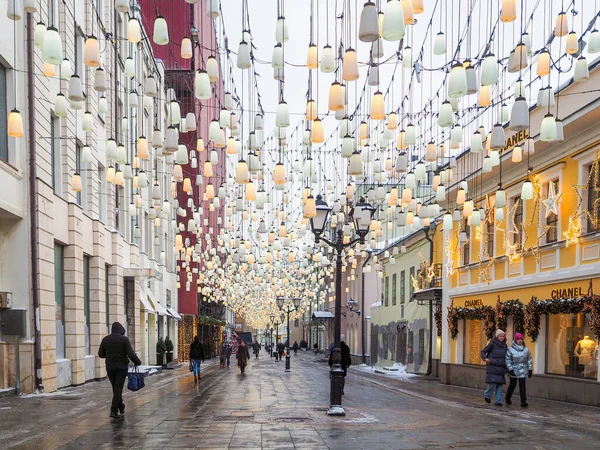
(510, 308)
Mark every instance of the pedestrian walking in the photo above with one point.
(225, 353)
(494, 355)
(243, 355)
(345, 361)
(256, 348)
(518, 364)
(196, 357)
(117, 351)
(316, 348)
(295, 347)
(280, 350)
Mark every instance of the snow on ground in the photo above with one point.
(398, 371)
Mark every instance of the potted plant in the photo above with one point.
(169, 346)
(160, 351)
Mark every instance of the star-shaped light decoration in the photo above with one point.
(552, 200)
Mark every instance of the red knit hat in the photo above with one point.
(518, 336)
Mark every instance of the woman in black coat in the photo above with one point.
(494, 355)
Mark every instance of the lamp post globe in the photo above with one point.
(317, 223)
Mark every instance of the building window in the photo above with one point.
(411, 286)
(59, 299)
(55, 154)
(551, 218)
(78, 170)
(107, 297)
(86, 303)
(572, 349)
(490, 235)
(387, 291)
(421, 354)
(518, 221)
(593, 199)
(403, 287)
(296, 323)
(475, 339)
(3, 115)
(466, 254)
(394, 280)
(410, 347)
(102, 194)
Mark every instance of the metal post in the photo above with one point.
(362, 307)
(287, 353)
(18, 359)
(336, 373)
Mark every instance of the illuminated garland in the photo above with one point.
(589, 304)
(438, 321)
(485, 313)
(208, 320)
(512, 308)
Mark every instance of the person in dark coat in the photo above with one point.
(280, 350)
(117, 351)
(494, 355)
(295, 347)
(243, 355)
(196, 357)
(256, 348)
(346, 360)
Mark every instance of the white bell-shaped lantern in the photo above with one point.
(439, 46)
(447, 223)
(377, 50)
(548, 130)
(282, 118)
(519, 116)
(529, 147)
(401, 163)
(100, 80)
(407, 58)
(373, 76)
(39, 33)
(487, 165)
(186, 48)
(347, 146)
(122, 6)
(543, 63)
(509, 11)
(410, 137)
(457, 83)
(582, 72)
(527, 190)
(212, 68)
(224, 117)
(212, 8)
(560, 134)
(475, 218)
(87, 122)
(562, 25)
(161, 31)
(327, 59)
(378, 106)
(134, 31)
(497, 140)
(75, 93)
(150, 88)
(472, 85)
(243, 56)
(102, 105)
(517, 155)
(202, 86)
(312, 57)
(594, 42)
(277, 57)
(393, 21)
(476, 142)
(52, 51)
(14, 9)
(174, 113)
(281, 31)
(336, 97)
(500, 198)
(129, 67)
(446, 116)
(356, 167)
(368, 30)
(489, 70)
(440, 193)
(350, 65)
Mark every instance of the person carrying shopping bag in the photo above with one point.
(518, 363)
(494, 355)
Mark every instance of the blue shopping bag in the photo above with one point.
(135, 380)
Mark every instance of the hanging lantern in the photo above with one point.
(562, 25)
(594, 42)
(485, 96)
(572, 45)
(439, 46)
(543, 63)
(76, 184)
(476, 142)
(212, 69)
(202, 87)
(279, 174)
(430, 152)
(373, 75)
(243, 56)
(350, 66)
(91, 52)
(457, 83)
(378, 106)
(38, 35)
(75, 93)
(49, 70)
(277, 57)
(489, 70)
(161, 31)
(134, 31)
(529, 148)
(317, 135)
(368, 30)
(15, 124)
(355, 168)
(312, 57)
(377, 50)
(410, 138)
(471, 75)
(548, 129)
(282, 118)
(52, 51)
(407, 59)
(327, 59)
(122, 6)
(582, 72)
(509, 11)
(487, 165)
(519, 116)
(517, 155)
(311, 110)
(407, 7)
(393, 21)
(87, 122)
(336, 97)
(527, 190)
(186, 48)
(446, 116)
(281, 31)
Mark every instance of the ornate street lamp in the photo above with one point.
(289, 308)
(361, 215)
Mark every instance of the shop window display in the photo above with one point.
(474, 341)
(572, 347)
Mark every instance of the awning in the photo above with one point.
(160, 309)
(322, 315)
(174, 313)
(146, 303)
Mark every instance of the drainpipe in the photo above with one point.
(362, 308)
(33, 237)
(430, 358)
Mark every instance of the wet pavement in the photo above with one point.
(267, 408)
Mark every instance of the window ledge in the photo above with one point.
(11, 170)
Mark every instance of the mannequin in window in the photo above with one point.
(585, 350)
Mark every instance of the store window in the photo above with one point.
(394, 281)
(59, 298)
(551, 188)
(387, 291)
(572, 348)
(593, 198)
(475, 340)
(518, 221)
(402, 287)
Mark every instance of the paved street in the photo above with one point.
(267, 408)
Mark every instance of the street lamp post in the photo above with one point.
(361, 215)
(281, 302)
(271, 346)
